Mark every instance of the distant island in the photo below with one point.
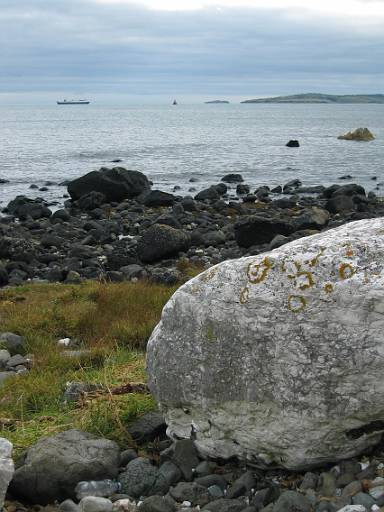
(322, 98)
(216, 101)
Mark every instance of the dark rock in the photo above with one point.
(329, 191)
(345, 177)
(23, 207)
(4, 278)
(277, 190)
(284, 203)
(126, 456)
(147, 427)
(3, 181)
(292, 501)
(60, 215)
(293, 184)
(232, 178)
(157, 504)
(116, 184)
(183, 453)
(209, 480)
(189, 204)
(224, 505)
(169, 220)
(242, 486)
(310, 481)
(133, 270)
(313, 218)
(349, 190)
(17, 360)
(33, 187)
(316, 189)
(293, 144)
(160, 241)
(221, 188)
(242, 189)
(190, 491)
(91, 200)
(170, 472)
(140, 478)
(76, 455)
(256, 229)
(340, 204)
(157, 198)
(74, 391)
(205, 468)
(209, 193)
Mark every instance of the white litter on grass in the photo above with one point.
(64, 342)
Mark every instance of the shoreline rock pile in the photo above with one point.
(117, 228)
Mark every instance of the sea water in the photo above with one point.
(172, 144)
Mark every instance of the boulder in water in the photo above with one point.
(360, 134)
(116, 184)
(278, 358)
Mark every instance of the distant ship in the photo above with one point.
(174, 102)
(73, 102)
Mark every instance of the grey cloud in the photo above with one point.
(85, 46)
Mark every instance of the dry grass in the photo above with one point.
(114, 321)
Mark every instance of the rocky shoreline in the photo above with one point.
(116, 228)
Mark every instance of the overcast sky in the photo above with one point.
(154, 50)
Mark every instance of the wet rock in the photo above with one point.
(116, 184)
(242, 189)
(232, 178)
(190, 491)
(157, 198)
(91, 200)
(23, 207)
(78, 456)
(126, 456)
(159, 241)
(157, 504)
(141, 478)
(210, 480)
(320, 294)
(340, 204)
(4, 278)
(224, 505)
(293, 144)
(184, 455)
(210, 193)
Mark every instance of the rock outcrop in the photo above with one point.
(362, 134)
(6, 468)
(278, 358)
(52, 467)
(116, 184)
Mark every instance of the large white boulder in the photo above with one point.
(279, 358)
(6, 468)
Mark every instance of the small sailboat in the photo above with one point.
(174, 102)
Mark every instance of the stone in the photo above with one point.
(293, 144)
(340, 204)
(69, 506)
(210, 480)
(361, 498)
(170, 472)
(74, 391)
(12, 342)
(327, 484)
(184, 455)
(292, 501)
(24, 207)
(4, 376)
(244, 384)
(156, 198)
(242, 189)
(17, 360)
(360, 134)
(310, 481)
(91, 200)
(4, 277)
(116, 184)
(224, 505)
(159, 241)
(141, 478)
(77, 456)
(148, 427)
(257, 229)
(190, 491)
(124, 504)
(4, 357)
(126, 456)
(232, 178)
(210, 193)
(95, 504)
(352, 488)
(6, 468)
(157, 504)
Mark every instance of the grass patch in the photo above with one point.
(112, 322)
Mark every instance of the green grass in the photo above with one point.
(113, 321)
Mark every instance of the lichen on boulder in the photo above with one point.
(278, 358)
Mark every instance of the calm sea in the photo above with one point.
(172, 144)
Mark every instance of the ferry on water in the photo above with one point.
(73, 102)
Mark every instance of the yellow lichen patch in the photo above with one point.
(314, 261)
(297, 265)
(208, 275)
(296, 303)
(257, 272)
(328, 288)
(349, 252)
(244, 295)
(346, 271)
(306, 279)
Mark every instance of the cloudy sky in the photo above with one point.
(153, 50)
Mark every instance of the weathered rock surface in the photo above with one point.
(53, 466)
(161, 240)
(6, 468)
(360, 134)
(278, 357)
